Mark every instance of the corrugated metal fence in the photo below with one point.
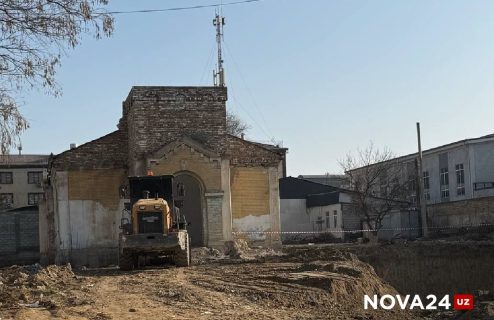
(19, 236)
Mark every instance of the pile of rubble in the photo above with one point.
(32, 285)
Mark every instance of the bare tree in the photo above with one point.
(377, 179)
(34, 35)
(234, 125)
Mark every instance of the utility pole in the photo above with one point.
(423, 208)
(219, 73)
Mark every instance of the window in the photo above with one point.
(319, 222)
(412, 183)
(327, 219)
(5, 177)
(483, 185)
(34, 198)
(460, 179)
(426, 178)
(335, 218)
(444, 179)
(6, 200)
(427, 185)
(34, 177)
(427, 195)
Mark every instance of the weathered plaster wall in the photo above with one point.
(250, 192)
(255, 202)
(87, 214)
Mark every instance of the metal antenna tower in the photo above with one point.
(219, 73)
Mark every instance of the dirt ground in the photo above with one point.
(244, 284)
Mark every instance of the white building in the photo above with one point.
(458, 181)
(21, 180)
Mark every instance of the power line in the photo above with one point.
(184, 8)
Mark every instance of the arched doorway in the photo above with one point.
(192, 206)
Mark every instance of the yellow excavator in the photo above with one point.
(155, 227)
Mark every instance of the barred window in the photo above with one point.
(34, 198)
(6, 200)
(5, 177)
(34, 177)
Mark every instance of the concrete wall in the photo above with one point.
(19, 237)
(399, 222)
(294, 216)
(318, 214)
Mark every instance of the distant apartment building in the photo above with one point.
(458, 181)
(21, 180)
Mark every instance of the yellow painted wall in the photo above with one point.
(185, 160)
(101, 185)
(250, 192)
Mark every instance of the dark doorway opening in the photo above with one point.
(192, 207)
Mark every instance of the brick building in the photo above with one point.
(231, 183)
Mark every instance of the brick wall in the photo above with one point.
(109, 151)
(214, 203)
(247, 154)
(467, 212)
(157, 116)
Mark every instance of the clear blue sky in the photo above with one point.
(325, 77)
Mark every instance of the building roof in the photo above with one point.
(323, 199)
(488, 137)
(24, 161)
(335, 180)
(248, 153)
(108, 151)
(295, 188)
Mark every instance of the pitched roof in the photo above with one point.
(295, 188)
(108, 151)
(247, 153)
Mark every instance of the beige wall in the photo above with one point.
(19, 187)
(99, 185)
(250, 192)
(185, 159)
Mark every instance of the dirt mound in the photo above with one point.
(240, 249)
(203, 255)
(32, 285)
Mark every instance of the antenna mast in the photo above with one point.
(219, 73)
